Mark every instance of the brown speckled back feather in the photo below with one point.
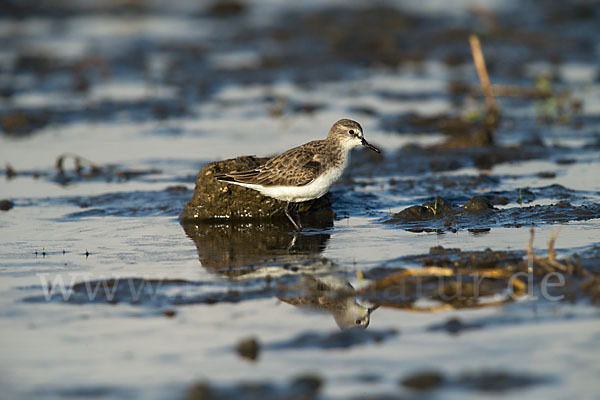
(296, 167)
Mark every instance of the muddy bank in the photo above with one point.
(301, 387)
(485, 381)
(479, 213)
(453, 279)
(494, 381)
(213, 200)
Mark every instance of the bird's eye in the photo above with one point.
(358, 322)
(351, 131)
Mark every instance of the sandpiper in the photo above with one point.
(305, 172)
(325, 293)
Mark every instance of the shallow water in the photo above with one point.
(148, 307)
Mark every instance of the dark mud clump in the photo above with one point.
(217, 200)
(498, 381)
(482, 381)
(6, 205)
(301, 387)
(462, 260)
(425, 380)
(226, 8)
(438, 208)
(18, 124)
(337, 340)
(455, 279)
(442, 210)
(249, 349)
(479, 214)
(454, 326)
(443, 289)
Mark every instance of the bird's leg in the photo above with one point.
(297, 208)
(293, 242)
(287, 214)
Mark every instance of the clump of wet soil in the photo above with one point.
(217, 200)
(336, 340)
(458, 260)
(301, 387)
(6, 205)
(483, 381)
(479, 213)
(454, 326)
(249, 349)
(455, 279)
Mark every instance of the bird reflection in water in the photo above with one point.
(332, 293)
(267, 250)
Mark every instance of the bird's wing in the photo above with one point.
(296, 167)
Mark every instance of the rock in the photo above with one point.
(424, 380)
(170, 313)
(248, 348)
(477, 204)
(414, 213)
(226, 8)
(309, 384)
(432, 209)
(216, 200)
(442, 250)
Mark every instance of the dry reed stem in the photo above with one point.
(484, 79)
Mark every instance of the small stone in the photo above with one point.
(6, 205)
(249, 348)
(477, 204)
(201, 391)
(425, 380)
(10, 172)
(308, 385)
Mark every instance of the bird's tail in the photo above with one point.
(238, 177)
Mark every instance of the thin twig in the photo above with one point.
(484, 79)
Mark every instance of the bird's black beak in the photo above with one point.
(371, 309)
(370, 146)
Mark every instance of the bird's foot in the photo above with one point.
(287, 214)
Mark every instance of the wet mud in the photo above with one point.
(301, 387)
(480, 381)
(338, 340)
(453, 177)
(478, 213)
(6, 205)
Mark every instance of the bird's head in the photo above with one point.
(354, 316)
(349, 134)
